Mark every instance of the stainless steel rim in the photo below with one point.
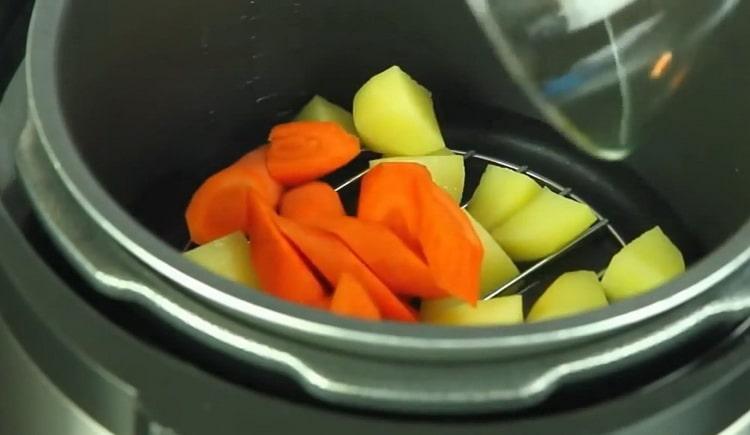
(263, 311)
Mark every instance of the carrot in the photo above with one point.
(351, 299)
(388, 196)
(332, 258)
(280, 269)
(385, 254)
(312, 200)
(403, 197)
(450, 245)
(219, 206)
(303, 151)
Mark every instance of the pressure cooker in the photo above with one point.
(118, 112)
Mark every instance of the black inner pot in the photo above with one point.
(160, 96)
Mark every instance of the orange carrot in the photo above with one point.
(403, 197)
(332, 258)
(388, 196)
(385, 254)
(351, 299)
(303, 151)
(219, 206)
(312, 200)
(450, 245)
(280, 268)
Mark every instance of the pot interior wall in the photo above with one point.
(159, 97)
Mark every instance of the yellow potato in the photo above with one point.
(643, 264)
(447, 171)
(497, 267)
(394, 115)
(228, 257)
(442, 152)
(571, 293)
(503, 310)
(501, 193)
(320, 109)
(543, 226)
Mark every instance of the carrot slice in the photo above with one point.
(219, 206)
(388, 196)
(403, 197)
(332, 258)
(280, 269)
(303, 151)
(385, 254)
(311, 201)
(450, 245)
(351, 299)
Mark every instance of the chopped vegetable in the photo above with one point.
(501, 193)
(642, 265)
(228, 257)
(320, 109)
(280, 269)
(386, 255)
(351, 299)
(571, 293)
(440, 152)
(310, 201)
(403, 197)
(388, 196)
(447, 171)
(449, 243)
(497, 267)
(332, 258)
(394, 115)
(543, 226)
(503, 310)
(219, 206)
(303, 151)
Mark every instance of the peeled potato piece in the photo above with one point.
(501, 193)
(503, 310)
(228, 257)
(571, 293)
(320, 109)
(643, 264)
(394, 115)
(447, 171)
(543, 226)
(497, 267)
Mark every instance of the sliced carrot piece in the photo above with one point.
(311, 201)
(403, 197)
(219, 206)
(450, 245)
(351, 299)
(385, 254)
(332, 258)
(281, 270)
(303, 151)
(388, 196)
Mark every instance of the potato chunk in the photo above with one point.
(643, 264)
(320, 109)
(394, 115)
(543, 226)
(503, 310)
(501, 193)
(571, 293)
(497, 267)
(228, 257)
